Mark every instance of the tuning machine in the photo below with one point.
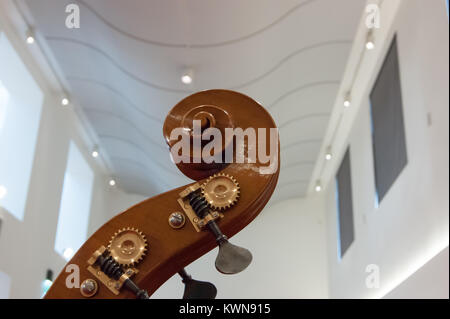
(114, 266)
(231, 259)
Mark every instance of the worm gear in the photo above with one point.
(128, 246)
(221, 191)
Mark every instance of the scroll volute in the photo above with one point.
(179, 126)
(169, 249)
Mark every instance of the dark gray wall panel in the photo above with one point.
(389, 145)
(345, 204)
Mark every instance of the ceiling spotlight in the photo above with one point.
(65, 101)
(3, 191)
(347, 100)
(30, 36)
(370, 44)
(30, 39)
(318, 187)
(112, 182)
(95, 152)
(328, 154)
(47, 282)
(187, 77)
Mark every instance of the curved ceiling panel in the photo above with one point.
(276, 15)
(124, 64)
(260, 53)
(111, 93)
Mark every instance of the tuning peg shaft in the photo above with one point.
(231, 259)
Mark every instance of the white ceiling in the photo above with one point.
(123, 69)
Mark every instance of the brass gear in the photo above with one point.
(221, 191)
(128, 246)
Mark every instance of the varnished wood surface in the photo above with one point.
(169, 249)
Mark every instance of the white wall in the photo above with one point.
(411, 224)
(430, 281)
(287, 241)
(27, 247)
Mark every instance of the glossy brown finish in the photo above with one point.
(169, 249)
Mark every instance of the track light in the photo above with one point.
(112, 182)
(347, 99)
(187, 77)
(95, 152)
(328, 154)
(318, 187)
(370, 43)
(47, 282)
(30, 36)
(65, 101)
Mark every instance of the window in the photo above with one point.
(446, 5)
(388, 130)
(75, 204)
(20, 111)
(344, 205)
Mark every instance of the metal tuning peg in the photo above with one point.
(231, 259)
(195, 289)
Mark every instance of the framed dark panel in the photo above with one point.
(345, 205)
(388, 129)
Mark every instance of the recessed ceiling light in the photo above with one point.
(65, 101)
(187, 77)
(112, 182)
